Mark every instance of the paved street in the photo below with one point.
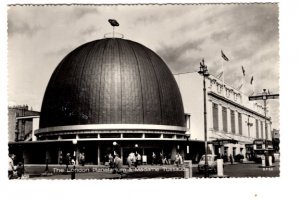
(145, 171)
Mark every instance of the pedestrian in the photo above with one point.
(130, 160)
(161, 158)
(136, 160)
(139, 159)
(165, 160)
(117, 164)
(82, 159)
(176, 162)
(180, 160)
(11, 167)
(111, 161)
(231, 159)
(20, 170)
(153, 158)
(68, 161)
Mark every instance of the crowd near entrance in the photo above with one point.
(85, 152)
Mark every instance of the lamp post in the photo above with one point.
(204, 72)
(75, 149)
(187, 146)
(114, 146)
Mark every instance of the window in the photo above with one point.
(215, 117)
(224, 117)
(240, 123)
(232, 121)
(257, 130)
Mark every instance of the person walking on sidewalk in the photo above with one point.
(11, 167)
(153, 158)
(118, 164)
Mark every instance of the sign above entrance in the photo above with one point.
(223, 141)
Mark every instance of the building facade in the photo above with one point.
(232, 120)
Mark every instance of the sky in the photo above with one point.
(39, 37)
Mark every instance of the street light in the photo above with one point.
(187, 146)
(74, 141)
(114, 145)
(204, 72)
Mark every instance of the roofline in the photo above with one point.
(237, 105)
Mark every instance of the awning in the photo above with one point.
(220, 142)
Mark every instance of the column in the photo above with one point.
(236, 118)
(209, 115)
(229, 120)
(98, 154)
(121, 153)
(220, 117)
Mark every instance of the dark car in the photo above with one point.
(211, 161)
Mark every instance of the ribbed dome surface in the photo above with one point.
(112, 81)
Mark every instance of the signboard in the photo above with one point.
(222, 142)
(253, 98)
(264, 97)
(258, 141)
(144, 159)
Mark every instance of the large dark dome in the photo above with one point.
(112, 81)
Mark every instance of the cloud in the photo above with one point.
(178, 56)
(81, 11)
(22, 27)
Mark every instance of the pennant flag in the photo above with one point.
(224, 56)
(251, 81)
(220, 75)
(113, 22)
(269, 91)
(244, 73)
(240, 87)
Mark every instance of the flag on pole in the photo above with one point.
(269, 91)
(224, 56)
(244, 73)
(251, 81)
(220, 75)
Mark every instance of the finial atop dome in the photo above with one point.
(113, 23)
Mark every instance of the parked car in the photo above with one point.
(211, 161)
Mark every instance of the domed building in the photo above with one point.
(112, 95)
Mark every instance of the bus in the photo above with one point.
(258, 149)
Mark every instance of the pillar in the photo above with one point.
(236, 118)
(228, 120)
(220, 118)
(98, 154)
(121, 152)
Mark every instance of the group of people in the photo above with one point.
(115, 163)
(178, 160)
(14, 171)
(134, 159)
(70, 160)
(162, 160)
